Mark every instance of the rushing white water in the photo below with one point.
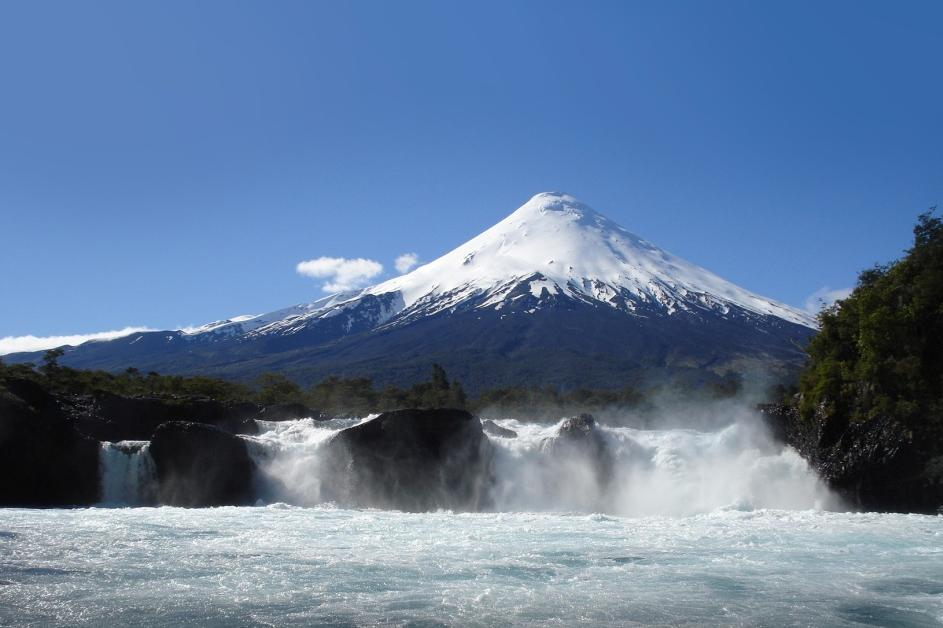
(284, 566)
(127, 473)
(655, 472)
(646, 472)
(287, 454)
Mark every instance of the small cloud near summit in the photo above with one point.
(824, 297)
(406, 262)
(341, 273)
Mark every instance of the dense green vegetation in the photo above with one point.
(64, 380)
(356, 396)
(880, 351)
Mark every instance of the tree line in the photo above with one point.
(355, 396)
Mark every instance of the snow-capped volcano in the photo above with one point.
(574, 251)
(552, 246)
(554, 293)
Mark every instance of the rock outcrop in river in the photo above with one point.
(413, 460)
(201, 465)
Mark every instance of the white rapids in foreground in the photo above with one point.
(281, 565)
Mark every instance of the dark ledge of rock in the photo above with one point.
(413, 460)
(201, 465)
(109, 417)
(113, 418)
(874, 465)
(490, 427)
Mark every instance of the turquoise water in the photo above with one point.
(284, 565)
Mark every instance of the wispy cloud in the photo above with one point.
(15, 344)
(341, 273)
(406, 262)
(824, 297)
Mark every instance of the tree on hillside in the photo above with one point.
(276, 388)
(51, 360)
(438, 392)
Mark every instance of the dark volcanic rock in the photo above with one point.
(43, 460)
(201, 465)
(578, 428)
(579, 438)
(113, 418)
(490, 427)
(414, 460)
(876, 465)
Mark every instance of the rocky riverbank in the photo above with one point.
(874, 465)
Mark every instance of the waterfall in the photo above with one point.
(287, 455)
(127, 473)
(654, 472)
(636, 472)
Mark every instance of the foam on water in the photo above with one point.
(283, 565)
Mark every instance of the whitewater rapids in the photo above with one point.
(281, 565)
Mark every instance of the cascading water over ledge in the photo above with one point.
(127, 474)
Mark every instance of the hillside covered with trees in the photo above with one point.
(880, 351)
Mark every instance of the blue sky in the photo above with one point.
(166, 164)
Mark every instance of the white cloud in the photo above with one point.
(341, 273)
(15, 344)
(406, 262)
(824, 297)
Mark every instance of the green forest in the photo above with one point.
(880, 351)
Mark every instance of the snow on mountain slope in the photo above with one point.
(555, 244)
(578, 253)
(272, 321)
